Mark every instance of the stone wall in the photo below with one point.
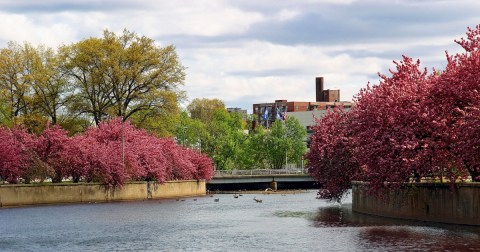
(424, 202)
(34, 194)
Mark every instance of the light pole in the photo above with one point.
(184, 134)
(123, 144)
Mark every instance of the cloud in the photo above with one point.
(362, 22)
(251, 51)
(57, 6)
(263, 72)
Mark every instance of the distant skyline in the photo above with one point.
(249, 51)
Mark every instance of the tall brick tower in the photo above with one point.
(325, 95)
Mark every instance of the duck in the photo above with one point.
(217, 200)
(235, 196)
(257, 200)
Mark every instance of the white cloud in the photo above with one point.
(201, 18)
(246, 52)
(264, 72)
(20, 28)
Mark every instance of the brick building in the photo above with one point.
(267, 113)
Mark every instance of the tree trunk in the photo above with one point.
(475, 174)
(57, 178)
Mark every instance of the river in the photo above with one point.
(289, 222)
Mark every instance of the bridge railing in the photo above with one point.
(219, 173)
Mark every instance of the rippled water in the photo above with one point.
(292, 222)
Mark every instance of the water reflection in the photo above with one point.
(417, 238)
(387, 234)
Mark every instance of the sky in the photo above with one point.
(254, 51)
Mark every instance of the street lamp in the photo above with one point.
(184, 134)
(123, 144)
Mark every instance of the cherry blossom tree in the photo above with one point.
(392, 131)
(330, 160)
(202, 164)
(14, 144)
(50, 150)
(75, 158)
(410, 125)
(111, 153)
(457, 101)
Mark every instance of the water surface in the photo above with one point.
(291, 222)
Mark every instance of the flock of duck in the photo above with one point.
(236, 197)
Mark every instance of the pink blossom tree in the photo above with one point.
(134, 154)
(112, 153)
(50, 150)
(330, 159)
(457, 103)
(149, 157)
(203, 165)
(179, 167)
(14, 144)
(411, 125)
(393, 134)
(75, 158)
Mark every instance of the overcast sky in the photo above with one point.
(254, 51)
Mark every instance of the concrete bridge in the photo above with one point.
(261, 180)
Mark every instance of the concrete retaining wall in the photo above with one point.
(17, 195)
(423, 201)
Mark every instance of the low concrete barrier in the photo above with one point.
(34, 194)
(434, 202)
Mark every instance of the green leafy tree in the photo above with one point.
(16, 79)
(225, 139)
(51, 85)
(296, 136)
(82, 63)
(5, 118)
(74, 124)
(204, 109)
(191, 132)
(32, 87)
(164, 121)
(252, 154)
(121, 75)
(284, 143)
(276, 146)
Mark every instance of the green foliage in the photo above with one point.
(204, 109)
(164, 121)
(225, 139)
(191, 132)
(74, 125)
(252, 154)
(277, 145)
(117, 75)
(283, 143)
(122, 75)
(296, 135)
(5, 114)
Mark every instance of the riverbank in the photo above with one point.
(40, 194)
(434, 202)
